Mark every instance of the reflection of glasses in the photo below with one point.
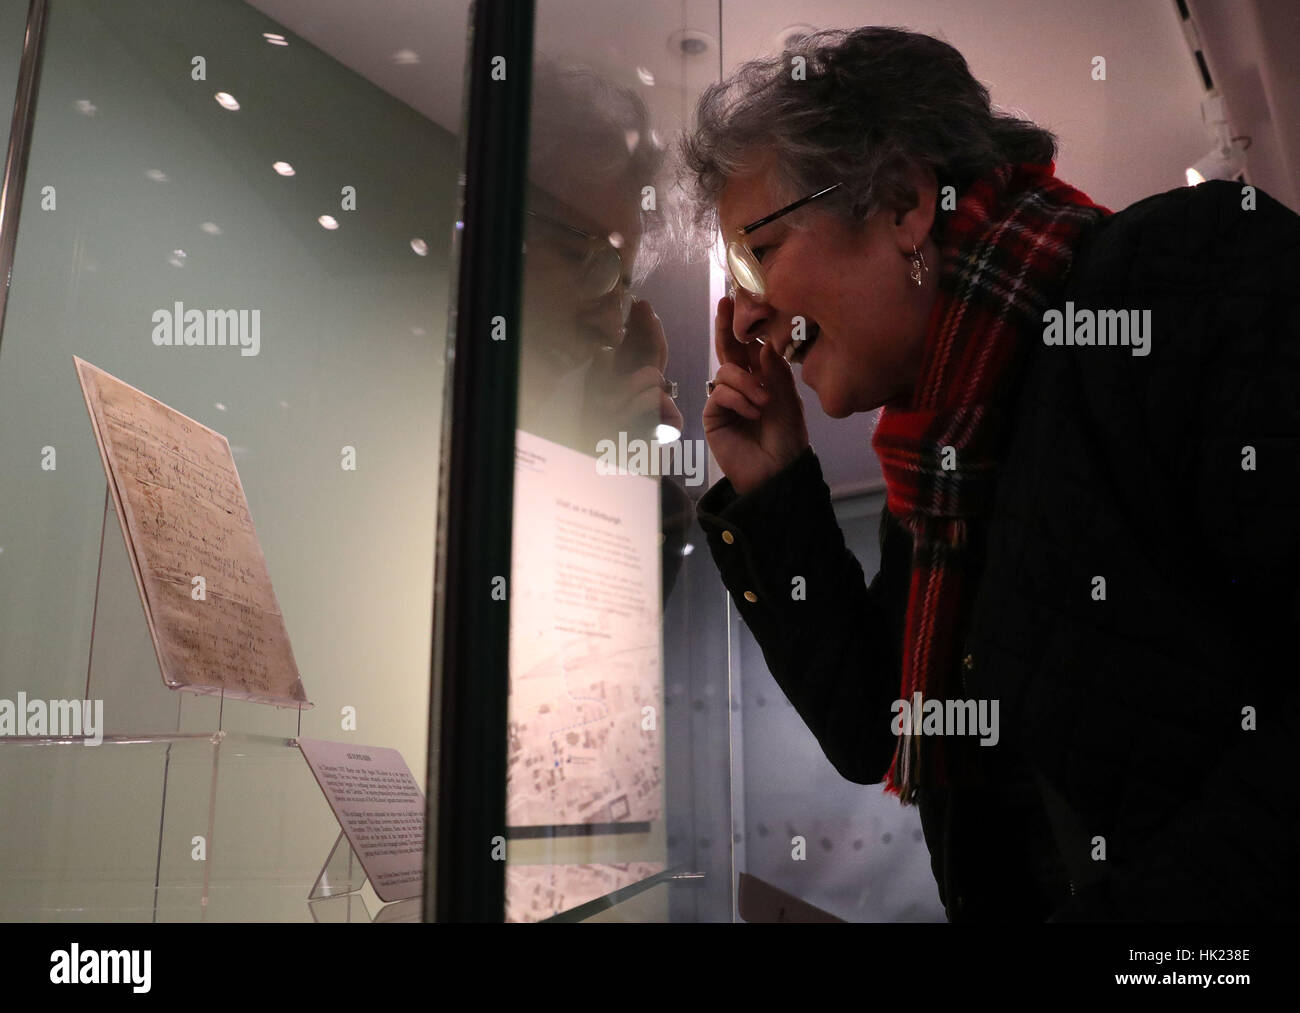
(601, 267)
(745, 267)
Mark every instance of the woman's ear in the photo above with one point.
(912, 225)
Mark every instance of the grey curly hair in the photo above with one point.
(592, 132)
(874, 103)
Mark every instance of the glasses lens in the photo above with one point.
(745, 268)
(601, 272)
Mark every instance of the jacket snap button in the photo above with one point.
(750, 596)
(728, 537)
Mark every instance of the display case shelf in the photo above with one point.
(164, 827)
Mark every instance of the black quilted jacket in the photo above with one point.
(1147, 762)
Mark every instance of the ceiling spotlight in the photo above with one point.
(406, 57)
(420, 246)
(227, 101)
(691, 43)
(328, 222)
(275, 39)
(790, 36)
(1221, 163)
(665, 434)
(1225, 160)
(283, 168)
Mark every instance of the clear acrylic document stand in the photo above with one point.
(336, 894)
(193, 807)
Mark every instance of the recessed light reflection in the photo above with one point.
(227, 100)
(406, 57)
(177, 259)
(157, 175)
(647, 78)
(211, 228)
(328, 222)
(275, 39)
(420, 246)
(665, 433)
(86, 107)
(219, 406)
(283, 168)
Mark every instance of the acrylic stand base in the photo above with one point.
(336, 895)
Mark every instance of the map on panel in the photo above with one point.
(586, 683)
(534, 892)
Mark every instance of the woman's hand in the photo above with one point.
(753, 420)
(628, 387)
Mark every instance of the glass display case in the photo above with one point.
(582, 364)
(471, 483)
(212, 155)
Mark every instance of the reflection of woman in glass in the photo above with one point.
(593, 357)
(1092, 534)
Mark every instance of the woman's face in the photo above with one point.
(852, 284)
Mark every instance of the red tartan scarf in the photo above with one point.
(1005, 251)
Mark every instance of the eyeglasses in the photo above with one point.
(745, 267)
(601, 267)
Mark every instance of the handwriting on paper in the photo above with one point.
(184, 513)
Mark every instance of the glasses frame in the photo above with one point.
(739, 251)
(597, 246)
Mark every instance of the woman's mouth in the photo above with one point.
(801, 352)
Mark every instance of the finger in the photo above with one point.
(655, 340)
(641, 407)
(644, 341)
(730, 398)
(750, 384)
(669, 414)
(724, 342)
(772, 368)
(626, 387)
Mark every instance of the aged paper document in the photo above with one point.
(184, 516)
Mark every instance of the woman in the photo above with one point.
(1089, 434)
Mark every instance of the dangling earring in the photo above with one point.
(918, 265)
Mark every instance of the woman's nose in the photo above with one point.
(750, 317)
